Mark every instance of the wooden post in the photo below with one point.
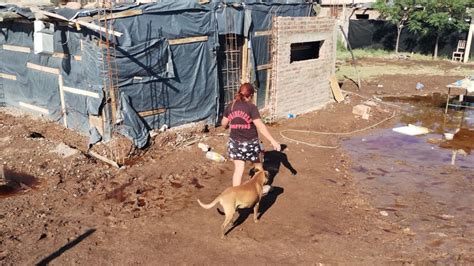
(245, 60)
(469, 41)
(63, 101)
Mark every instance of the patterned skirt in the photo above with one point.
(244, 150)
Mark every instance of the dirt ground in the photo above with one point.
(69, 208)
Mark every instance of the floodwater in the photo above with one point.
(12, 183)
(422, 183)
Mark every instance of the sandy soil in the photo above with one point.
(78, 210)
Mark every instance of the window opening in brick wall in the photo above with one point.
(362, 16)
(305, 51)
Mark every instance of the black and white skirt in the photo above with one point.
(244, 150)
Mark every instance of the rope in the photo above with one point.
(329, 133)
(369, 98)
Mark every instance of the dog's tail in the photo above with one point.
(210, 205)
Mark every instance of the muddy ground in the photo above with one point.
(369, 196)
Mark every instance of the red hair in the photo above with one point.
(246, 90)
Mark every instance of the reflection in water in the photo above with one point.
(412, 177)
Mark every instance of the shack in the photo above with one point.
(133, 68)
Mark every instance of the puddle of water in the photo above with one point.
(415, 178)
(12, 183)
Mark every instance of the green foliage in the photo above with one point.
(340, 46)
(397, 11)
(438, 16)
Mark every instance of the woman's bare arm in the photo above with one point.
(264, 130)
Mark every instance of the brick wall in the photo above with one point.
(301, 86)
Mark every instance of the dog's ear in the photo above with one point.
(258, 168)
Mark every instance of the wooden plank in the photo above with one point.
(97, 122)
(63, 101)
(263, 33)
(264, 67)
(245, 60)
(17, 48)
(152, 112)
(43, 68)
(123, 14)
(7, 76)
(81, 92)
(34, 108)
(467, 51)
(82, 23)
(60, 55)
(188, 40)
(267, 86)
(64, 56)
(336, 90)
(104, 159)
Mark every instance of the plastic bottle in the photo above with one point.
(204, 147)
(216, 157)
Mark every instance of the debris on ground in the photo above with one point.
(64, 150)
(411, 130)
(362, 110)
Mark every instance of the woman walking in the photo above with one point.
(243, 118)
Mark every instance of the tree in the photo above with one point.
(437, 17)
(396, 12)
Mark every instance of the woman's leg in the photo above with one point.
(239, 167)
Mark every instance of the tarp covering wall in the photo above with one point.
(379, 34)
(151, 72)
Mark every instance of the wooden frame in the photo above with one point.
(7, 76)
(152, 112)
(34, 107)
(188, 40)
(43, 68)
(16, 48)
(82, 92)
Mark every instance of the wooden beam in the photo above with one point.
(104, 159)
(7, 76)
(336, 90)
(81, 92)
(188, 40)
(17, 48)
(34, 108)
(264, 67)
(123, 14)
(82, 23)
(63, 101)
(467, 51)
(245, 60)
(60, 55)
(43, 68)
(263, 33)
(152, 112)
(97, 122)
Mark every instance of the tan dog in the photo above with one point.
(246, 195)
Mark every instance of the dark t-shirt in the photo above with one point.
(240, 118)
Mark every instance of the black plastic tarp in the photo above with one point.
(150, 72)
(379, 34)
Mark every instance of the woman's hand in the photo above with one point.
(276, 145)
